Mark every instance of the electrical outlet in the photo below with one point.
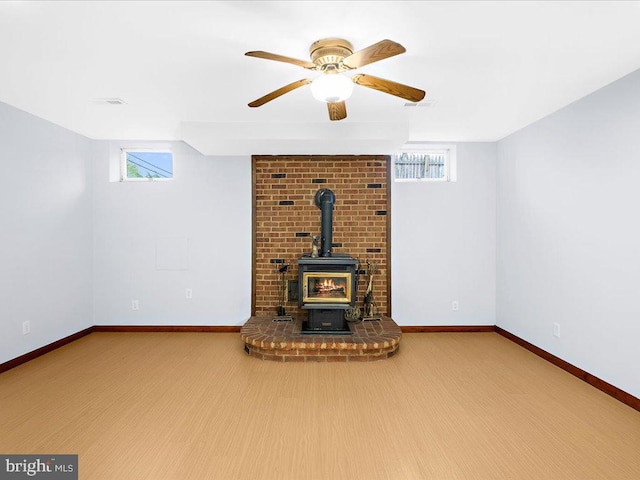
(188, 293)
(26, 327)
(135, 305)
(455, 306)
(556, 330)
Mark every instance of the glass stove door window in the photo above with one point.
(327, 288)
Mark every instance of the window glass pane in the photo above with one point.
(151, 165)
(436, 165)
(410, 165)
(421, 165)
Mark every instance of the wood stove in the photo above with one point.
(327, 287)
(326, 283)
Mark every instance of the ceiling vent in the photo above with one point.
(426, 103)
(109, 101)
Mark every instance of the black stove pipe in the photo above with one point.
(325, 199)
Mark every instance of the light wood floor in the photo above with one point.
(193, 406)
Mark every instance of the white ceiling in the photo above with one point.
(489, 68)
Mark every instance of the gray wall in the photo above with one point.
(568, 235)
(45, 232)
(154, 240)
(443, 241)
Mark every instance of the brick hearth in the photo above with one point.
(283, 341)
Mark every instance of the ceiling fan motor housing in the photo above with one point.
(330, 51)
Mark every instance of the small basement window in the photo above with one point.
(430, 165)
(146, 165)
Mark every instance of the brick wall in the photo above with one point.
(285, 218)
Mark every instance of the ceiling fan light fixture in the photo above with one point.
(331, 87)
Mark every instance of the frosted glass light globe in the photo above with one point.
(331, 88)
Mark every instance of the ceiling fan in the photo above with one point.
(331, 57)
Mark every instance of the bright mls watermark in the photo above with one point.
(49, 467)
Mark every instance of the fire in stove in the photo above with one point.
(327, 287)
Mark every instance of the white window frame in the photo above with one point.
(123, 164)
(450, 166)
